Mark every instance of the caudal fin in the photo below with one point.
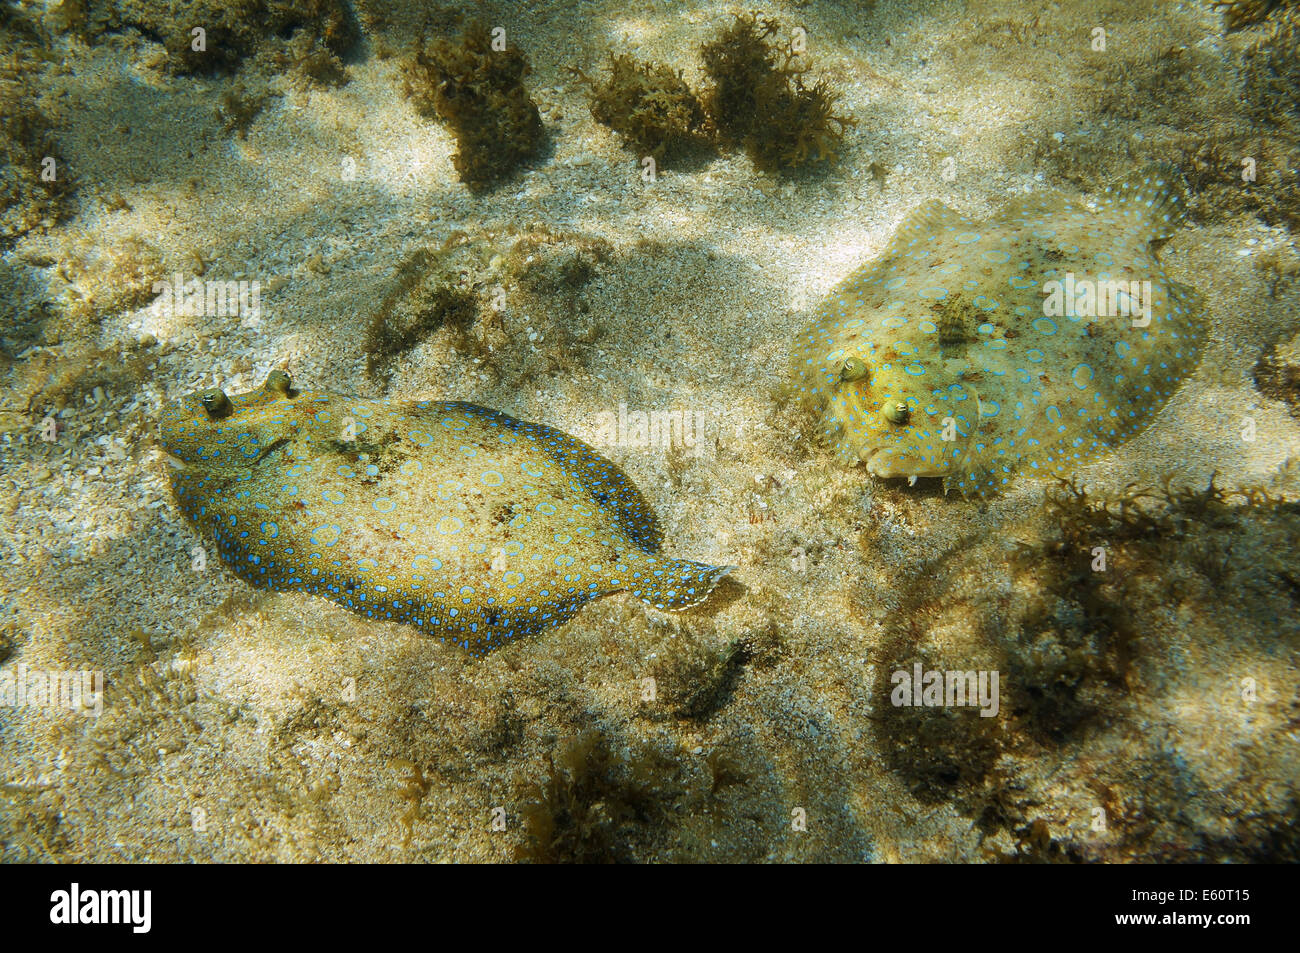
(676, 584)
(1154, 196)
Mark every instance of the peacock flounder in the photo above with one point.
(447, 516)
(1034, 341)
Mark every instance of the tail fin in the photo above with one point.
(1154, 197)
(676, 584)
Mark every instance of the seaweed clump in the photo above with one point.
(599, 806)
(1112, 567)
(312, 35)
(942, 754)
(1271, 71)
(1114, 604)
(479, 92)
(760, 102)
(651, 108)
(695, 685)
(432, 289)
(11, 636)
(239, 108)
(34, 181)
(1241, 13)
(1270, 88)
(1277, 374)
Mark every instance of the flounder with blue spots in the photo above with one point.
(1032, 342)
(447, 516)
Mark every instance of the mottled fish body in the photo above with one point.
(1034, 341)
(447, 516)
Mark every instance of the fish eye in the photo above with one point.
(279, 382)
(853, 369)
(215, 402)
(897, 412)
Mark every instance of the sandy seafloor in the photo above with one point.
(227, 704)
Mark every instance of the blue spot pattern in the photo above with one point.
(453, 518)
(955, 321)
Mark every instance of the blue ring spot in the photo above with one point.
(326, 535)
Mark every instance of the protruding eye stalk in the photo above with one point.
(897, 412)
(853, 369)
(215, 402)
(279, 382)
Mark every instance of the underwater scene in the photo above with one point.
(611, 431)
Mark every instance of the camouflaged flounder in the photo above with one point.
(949, 354)
(447, 516)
